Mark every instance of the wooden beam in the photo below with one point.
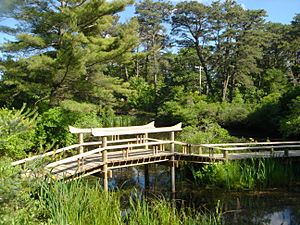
(134, 130)
(75, 130)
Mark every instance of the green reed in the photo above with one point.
(164, 212)
(85, 204)
(79, 203)
(246, 174)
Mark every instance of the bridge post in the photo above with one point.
(200, 150)
(172, 137)
(286, 152)
(225, 154)
(80, 142)
(146, 140)
(104, 158)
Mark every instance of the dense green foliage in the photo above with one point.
(279, 113)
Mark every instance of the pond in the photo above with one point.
(264, 207)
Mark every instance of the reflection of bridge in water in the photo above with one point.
(131, 146)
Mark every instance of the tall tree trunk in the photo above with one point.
(209, 88)
(137, 71)
(232, 86)
(225, 87)
(126, 73)
(155, 82)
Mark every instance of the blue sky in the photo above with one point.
(281, 11)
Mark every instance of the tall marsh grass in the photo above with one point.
(246, 174)
(25, 201)
(162, 212)
(80, 203)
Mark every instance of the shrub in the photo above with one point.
(17, 203)
(16, 132)
(207, 132)
(142, 98)
(266, 115)
(233, 114)
(278, 113)
(290, 124)
(52, 128)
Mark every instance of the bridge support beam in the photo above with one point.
(173, 184)
(146, 176)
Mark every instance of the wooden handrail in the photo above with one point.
(50, 153)
(246, 144)
(258, 147)
(99, 150)
(44, 155)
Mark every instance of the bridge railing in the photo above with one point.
(82, 145)
(54, 152)
(68, 149)
(153, 149)
(272, 148)
(133, 139)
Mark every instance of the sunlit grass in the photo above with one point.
(247, 174)
(84, 204)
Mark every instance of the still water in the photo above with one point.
(267, 207)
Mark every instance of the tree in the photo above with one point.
(294, 38)
(226, 38)
(183, 72)
(153, 36)
(278, 52)
(61, 49)
(190, 25)
(237, 39)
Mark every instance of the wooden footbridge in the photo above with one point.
(140, 145)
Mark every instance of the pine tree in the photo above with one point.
(61, 49)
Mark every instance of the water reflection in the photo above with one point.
(271, 207)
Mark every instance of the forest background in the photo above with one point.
(215, 67)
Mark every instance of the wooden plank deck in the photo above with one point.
(93, 163)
